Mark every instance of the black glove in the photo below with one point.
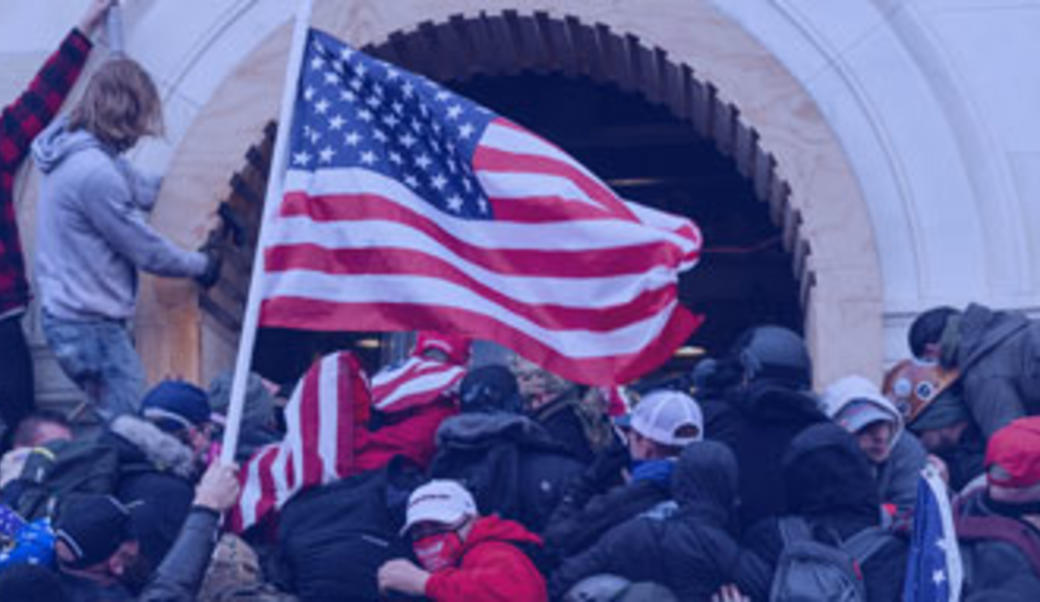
(213, 262)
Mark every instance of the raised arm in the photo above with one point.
(26, 117)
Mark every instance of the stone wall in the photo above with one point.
(903, 127)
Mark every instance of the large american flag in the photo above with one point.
(406, 206)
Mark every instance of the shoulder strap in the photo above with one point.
(1003, 529)
(793, 528)
(863, 545)
(553, 408)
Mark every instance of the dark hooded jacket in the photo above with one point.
(157, 474)
(573, 527)
(1000, 552)
(758, 423)
(830, 485)
(998, 354)
(692, 552)
(510, 464)
(562, 419)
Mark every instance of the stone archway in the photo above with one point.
(510, 43)
(721, 79)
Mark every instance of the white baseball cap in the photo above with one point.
(669, 418)
(439, 501)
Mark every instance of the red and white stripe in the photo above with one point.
(567, 274)
(618, 403)
(318, 446)
(416, 382)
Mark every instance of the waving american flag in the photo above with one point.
(406, 206)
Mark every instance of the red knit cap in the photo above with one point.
(456, 347)
(1016, 449)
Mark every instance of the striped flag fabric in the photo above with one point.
(327, 408)
(408, 207)
(416, 382)
(618, 403)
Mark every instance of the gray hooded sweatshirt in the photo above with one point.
(92, 233)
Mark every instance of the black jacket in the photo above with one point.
(691, 552)
(333, 538)
(965, 460)
(1000, 552)
(510, 464)
(999, 357)
(758, 423)
(578, 523)
(831, 486)
(562, 420)
(156, 479)
(77, 589)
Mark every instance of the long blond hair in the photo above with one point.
(120, 105)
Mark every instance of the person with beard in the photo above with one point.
(555, 403)
(897, 457)
(768, 404)
(464, 556)
(96, 549)
(998, 526)
(948, 433)
(691, 550)
(831, 489)
(98, 553)
(930, 400)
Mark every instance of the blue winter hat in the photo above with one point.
(173, 405)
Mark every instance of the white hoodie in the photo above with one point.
(844, 391)
(897, 476)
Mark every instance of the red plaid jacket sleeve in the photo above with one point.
(23, 119)
(20, 122)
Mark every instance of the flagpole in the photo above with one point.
(247, 339)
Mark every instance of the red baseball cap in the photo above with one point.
(1016, 450)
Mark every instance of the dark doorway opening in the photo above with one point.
(745, 276)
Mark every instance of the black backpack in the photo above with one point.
(60, 470)
(332, 539)
(510, 464)
(810, 570)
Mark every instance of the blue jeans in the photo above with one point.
(99, 357)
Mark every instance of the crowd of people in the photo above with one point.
(724, 491)
(507, 483)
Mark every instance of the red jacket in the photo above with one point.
(19, 124)
(492, 568)
(410, 433)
